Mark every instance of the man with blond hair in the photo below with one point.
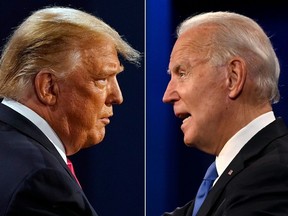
(58, 81)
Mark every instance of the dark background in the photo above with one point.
(111, 173)
(174, 171)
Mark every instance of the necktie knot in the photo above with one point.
(209, 178)
(211, 173)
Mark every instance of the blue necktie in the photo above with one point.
(209, 178)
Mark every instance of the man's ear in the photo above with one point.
(236, 77)
(46, 87)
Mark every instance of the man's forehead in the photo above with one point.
(187, 61)
(112, 67)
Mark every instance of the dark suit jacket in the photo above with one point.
(34, 178)
(256, 181)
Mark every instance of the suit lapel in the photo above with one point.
(248, 153)
(26, 127)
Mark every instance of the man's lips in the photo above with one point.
(105, 120)
(186, 119)
(182, 115)
(185, 123)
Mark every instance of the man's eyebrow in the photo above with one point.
(113, 70)
(175, 68)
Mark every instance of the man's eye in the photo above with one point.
(101, 82)
(181, 74)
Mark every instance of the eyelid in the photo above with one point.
(100, 83)
(180, 70)
(181, 73)
(102, 79)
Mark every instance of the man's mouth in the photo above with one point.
(186, 119)
(183, 116)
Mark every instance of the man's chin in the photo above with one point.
(95, 140)
(98, 141)
(188, 142)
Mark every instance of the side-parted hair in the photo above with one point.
(50, 38)
(238, 35)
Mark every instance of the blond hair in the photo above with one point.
(49, 38)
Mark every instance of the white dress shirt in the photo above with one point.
(39, 122)
(236, 143)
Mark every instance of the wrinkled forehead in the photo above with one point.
(102, 57)
(193, 45)
(184, 53)
(196, 39)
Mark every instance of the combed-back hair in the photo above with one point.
(238, 35)
(52, 38)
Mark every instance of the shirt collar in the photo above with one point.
(236, 143)
(39, 122)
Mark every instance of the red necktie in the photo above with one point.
(70, 166)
